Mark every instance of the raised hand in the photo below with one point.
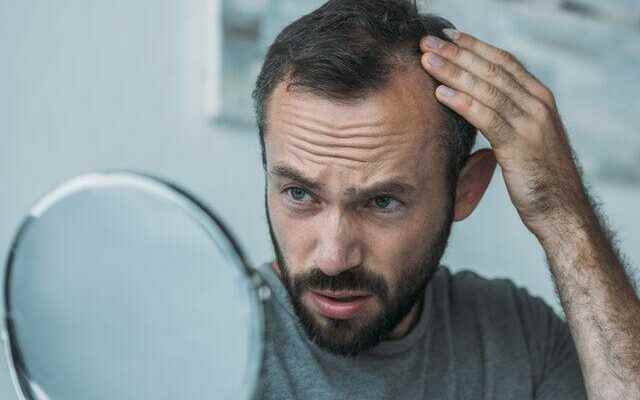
(517, 114)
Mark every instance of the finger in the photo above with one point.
(492, 126)
(479, 89)
(506, 60)
(493, 73)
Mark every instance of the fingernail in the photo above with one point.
(435, 60)
(434, 42)
(451, 33)
(446, 91)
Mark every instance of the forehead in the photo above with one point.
(392, 132)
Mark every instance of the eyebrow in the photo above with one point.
(388, 187)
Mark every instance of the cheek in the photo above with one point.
(393, 248)
(400, 248)
(294, 235)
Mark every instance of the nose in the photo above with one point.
(339, 246)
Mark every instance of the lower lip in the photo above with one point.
(331, 308)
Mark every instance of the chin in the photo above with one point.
(343, 337)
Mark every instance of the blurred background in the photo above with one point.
(164, 87)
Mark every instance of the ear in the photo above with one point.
(473, 181)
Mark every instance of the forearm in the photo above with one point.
(600, 303)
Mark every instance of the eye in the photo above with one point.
(386, 203)
(296, 194)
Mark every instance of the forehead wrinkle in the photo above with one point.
(316, 160)
(320, 141)
(373, 130)
(359, 153)
(319, 152)
(359, 150)
(365, 131)
(312, 120)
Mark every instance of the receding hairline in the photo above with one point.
(401, 60)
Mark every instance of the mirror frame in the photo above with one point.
(192, 206)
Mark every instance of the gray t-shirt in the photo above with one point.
(477, 338)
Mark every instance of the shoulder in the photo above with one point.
(498, 314)
(496, 299)
(499, 310)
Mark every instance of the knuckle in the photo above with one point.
(505, 56)
(455, 73)
(496, 123)
(540, 111)
(499, 101)
(467, 102)
(494, 94)
(472, 59)
(508, 107)
(509, 82)
(493, 71)
(547, 96)
(538, 108)
(454, 51)
(467, 38)
(467, 79)
(515, 111)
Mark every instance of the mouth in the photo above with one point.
(341, 304)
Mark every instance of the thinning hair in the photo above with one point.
(347, 49)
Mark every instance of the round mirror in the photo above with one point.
(123, 286)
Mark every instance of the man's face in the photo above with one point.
(358, 206)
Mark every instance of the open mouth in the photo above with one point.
(345, 299)
(340, 305)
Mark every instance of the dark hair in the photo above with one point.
(347, 49)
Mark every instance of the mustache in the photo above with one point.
(353, 279)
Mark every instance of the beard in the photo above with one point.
(350, 337)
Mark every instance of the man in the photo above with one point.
(367, 114)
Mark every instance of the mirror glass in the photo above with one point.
(123, 286)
